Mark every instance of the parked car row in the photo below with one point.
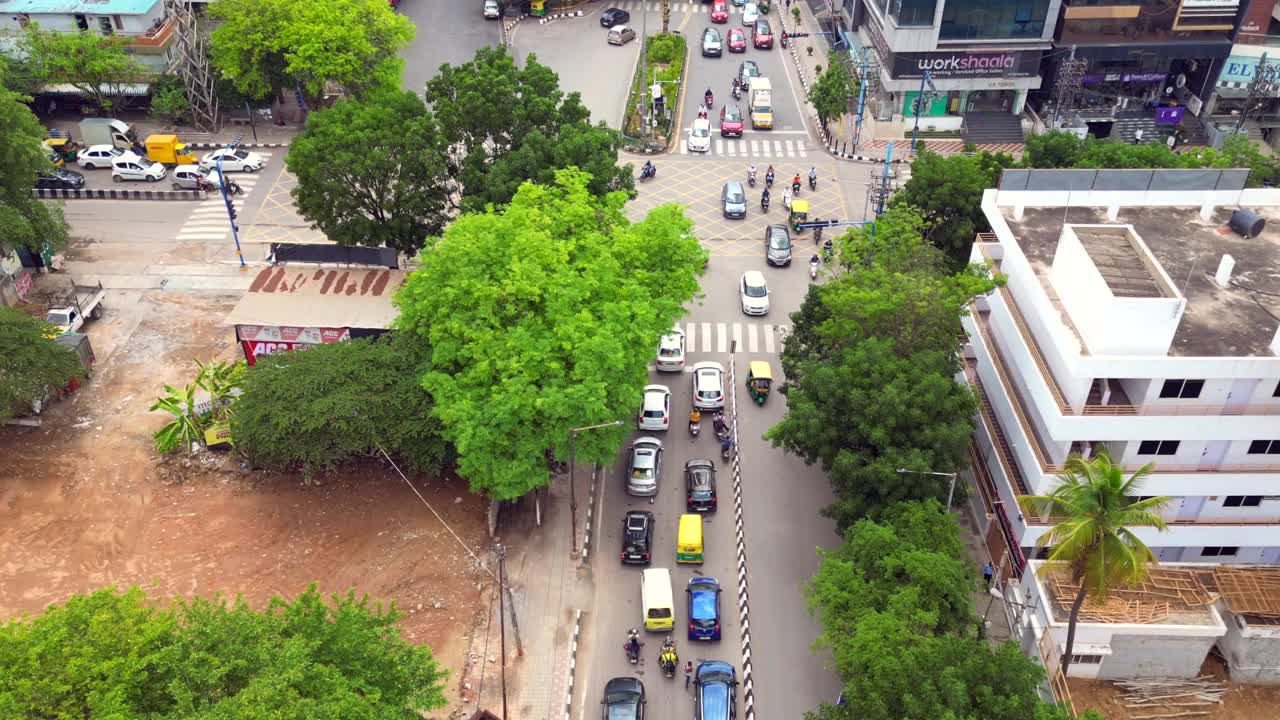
(715, 694)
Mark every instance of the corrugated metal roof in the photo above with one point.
(319, 297)
(79, 7)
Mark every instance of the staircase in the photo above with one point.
(1129, 122)
(991, 128)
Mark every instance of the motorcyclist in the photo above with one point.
(795, 183)
(815, 260)
(633, 643)
(764, 200)
(648, 169)
(827, 248)
(751, 174)
(695, 417)
(711, 101)
(786, 199)
(702, 112)
(718, 421)
(768, 177)
(668, 659)
(813, 178)
(726, 444)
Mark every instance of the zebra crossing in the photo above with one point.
(209, 220)
(742, 147)
(750, 338)
(693, 7)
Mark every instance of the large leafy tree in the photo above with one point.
(1065, 150)
(372, 172)
(541, 317)
(26, 221)
(319, 407)
(116, 655)
(510, 124)
(31, 363)
(265, 46)
(870, 368)
(1097, 505)
(833, 88)
(94, 64)
(948, 192)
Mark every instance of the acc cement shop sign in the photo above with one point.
(967, 64)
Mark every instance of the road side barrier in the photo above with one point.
(113, 194)
(748, 687)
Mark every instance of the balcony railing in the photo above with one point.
(1269, 522)
(155, 36)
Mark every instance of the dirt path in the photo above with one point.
(84, 503)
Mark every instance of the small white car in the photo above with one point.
(708, 386)
(700, 136)
(655, 410)
(98, 156)
(750, 14)
(671, 352)
(754, 293)
(491, 10)
(132, 167)
(234, 160)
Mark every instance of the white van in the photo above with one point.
(655, 596)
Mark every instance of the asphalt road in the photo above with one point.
(448, 31)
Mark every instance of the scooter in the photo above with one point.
(795, 188)
(668, 668)
(633, 654)
(711, 100)
(813, 269)
(722, 427)
(764, 203)
(737, 91)
(694, 428)
(726, 449)
(648, 172)
(751, 179)
(813, 182)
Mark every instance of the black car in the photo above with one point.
(700, 485)
(614, 16)
(637, 537)
(60, 179)
(623, 699)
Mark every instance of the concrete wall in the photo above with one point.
(1145, 656)
(1252, 651)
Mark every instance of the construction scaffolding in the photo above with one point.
(1165, 591)
(189, 60)
(1251, 591)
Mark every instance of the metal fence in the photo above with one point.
(1124, 180)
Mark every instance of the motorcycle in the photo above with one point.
(722, 427)
(694, 428)
(764, 203)
(668, 664)
(711, 100)
(632, 647)
(751, 179)
(648, 172)
(813, 269)
(726, 449)
(813, 182)
(737, 91)
(795, 188)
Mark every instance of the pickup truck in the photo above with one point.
(81, 304)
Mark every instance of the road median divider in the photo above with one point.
(114, 194)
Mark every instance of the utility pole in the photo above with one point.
(645, 115)
(1261, 87)
(502, 622)
(888, 155)
(864, 70)
(921, 99)
(511, 600)
(1068, 82)
(666, 16)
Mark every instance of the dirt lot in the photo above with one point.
(1241, 702)
(84, 502)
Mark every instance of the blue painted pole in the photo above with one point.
(888, 154)
(226, 199)
(919, 103)
(862, 103)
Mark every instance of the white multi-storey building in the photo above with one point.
(1134, 321)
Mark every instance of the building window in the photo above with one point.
(990, 19)
(1158, 447)
(119, 21)
(104, 25)
(1181, 389)
(1086, 659)
(82, 22)
(1276, 392)
(1264, 447)
(1219, 551)
(1242, 501)
(912, 13)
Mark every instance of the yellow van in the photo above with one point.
(689, 539)
(655, 595)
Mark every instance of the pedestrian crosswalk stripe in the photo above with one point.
(690, 336)
(777, 148)
(736, 147)
(768, 338)
(737, 336)
(722, 338)
(706, 337)
(727, 332)
(752, 339)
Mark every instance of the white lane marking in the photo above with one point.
(804, 153)
(722, 338)
(768, 339)
(689, 336)
(737, 337)
(706, 337)
(777, 148)
(755, 147)
(201, 235)
(753, 338)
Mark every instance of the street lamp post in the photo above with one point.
(951, 488)
(573, 481)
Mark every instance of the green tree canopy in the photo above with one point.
(31, 363)
(948, 192)
(515, 124)
(94, 64)
(870, 368)
(26, 221)
(115, 656)
(264, 46)
(542, 317)
(319, 407)
(833, 88)
(372, 172)
(1059, 149)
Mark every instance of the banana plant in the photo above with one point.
(221, 379)
(186, 427)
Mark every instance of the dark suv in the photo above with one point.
(637, 537)
(700, 485)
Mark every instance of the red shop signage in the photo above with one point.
(253, 349)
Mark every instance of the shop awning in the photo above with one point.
(118, 89)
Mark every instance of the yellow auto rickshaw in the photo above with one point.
(759, 378)
(799, 214)
(166, 149)
(64, 149)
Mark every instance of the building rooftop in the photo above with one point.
(309, 296)
(77, 7)
(1237, 321)
(1169, 596)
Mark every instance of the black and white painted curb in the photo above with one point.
(560, 16)
(748, 689)
(591, 509)
(573, 663)
(49, 194)
(246, 146)
(867, 158)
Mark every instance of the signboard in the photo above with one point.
(1169, 115)
(1142, 77)
(218, 434)
(1254, 22)
(285, 334)
(253, 349)
(967, 64)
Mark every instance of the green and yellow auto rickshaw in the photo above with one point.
(799, 214)
(759, 378)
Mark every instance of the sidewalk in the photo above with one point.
(997, 623)
(545, 583)
(267, 134)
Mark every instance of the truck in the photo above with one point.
(106, 131)
(77, 343)
(760, 101)
(81, 304)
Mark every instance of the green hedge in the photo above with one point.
(666, 54)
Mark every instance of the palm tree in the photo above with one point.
(1097, 505)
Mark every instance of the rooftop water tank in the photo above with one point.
(1247, 223)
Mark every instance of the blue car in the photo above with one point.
(704, 608)
(715, 691)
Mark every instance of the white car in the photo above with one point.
(234, 160)
(99, 156)
(708, 386)
(131, 167)
(655, 411)
(754, 292)
(750, 14)
(671, 352)
(700, 136)
(491, 9)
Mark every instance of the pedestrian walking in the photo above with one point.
(988, 572)
(1137, 136)
(1172, 142)
(688, 673)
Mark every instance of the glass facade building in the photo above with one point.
(993, 19)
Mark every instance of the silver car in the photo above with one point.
(645, 467)
(734, 200)
(712, 45)
(777, 242)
